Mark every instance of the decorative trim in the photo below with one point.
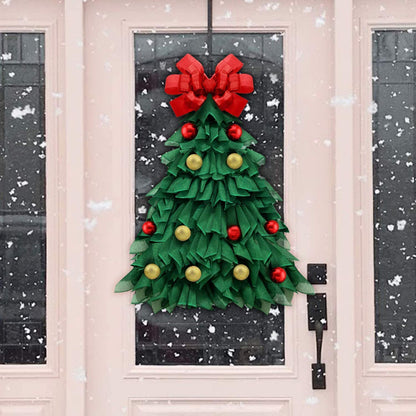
(26, 406)
(366, 255)
(215, 406)
(279, 27)
(393, 406)
(54, 221)
(289, 370)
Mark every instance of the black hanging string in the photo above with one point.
(209, 38)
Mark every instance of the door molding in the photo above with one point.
(224, 406)
(132, 371)
(55, 225)
(366, 254)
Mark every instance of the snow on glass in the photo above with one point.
(219, 337)
(394, 186)
(22, 200)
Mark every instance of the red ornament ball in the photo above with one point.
(278, 275)
(149, 227)
(189, 131)
(234, 132)
(234, 232)
(272, 227)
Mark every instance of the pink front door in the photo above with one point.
(333, 113)
(161, 369)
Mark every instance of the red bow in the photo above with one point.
(194, 86)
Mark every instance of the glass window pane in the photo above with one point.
(394, 195)
(233, 336)
(22, 199)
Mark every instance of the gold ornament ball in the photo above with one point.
(182, 233)
(194, 161)
(152, 271)
(234, 161)
(193, 273)
(241, 272)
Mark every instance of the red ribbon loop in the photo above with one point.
(194, 86)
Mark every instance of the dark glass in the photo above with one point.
(234, 336)
(22, 199)
(394, 143)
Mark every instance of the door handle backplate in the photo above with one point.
(317, 321)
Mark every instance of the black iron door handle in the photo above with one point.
(319, 333)
(318, 369)
(317, 321)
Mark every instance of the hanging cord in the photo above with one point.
(209, 38)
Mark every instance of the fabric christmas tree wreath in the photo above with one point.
(213, 236)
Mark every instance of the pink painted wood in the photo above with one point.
(89, 59)
(385, 389)
(41, 389)
(309, 212)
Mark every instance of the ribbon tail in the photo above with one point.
(231, 103)
(180, 106)
(186, 103)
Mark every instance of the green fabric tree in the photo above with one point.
(207, 201)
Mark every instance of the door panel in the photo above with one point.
(111, 151)
(25, 408)
(399, 408)
(209, 408)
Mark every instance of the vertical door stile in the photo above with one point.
(75, 346)
(344, 209)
